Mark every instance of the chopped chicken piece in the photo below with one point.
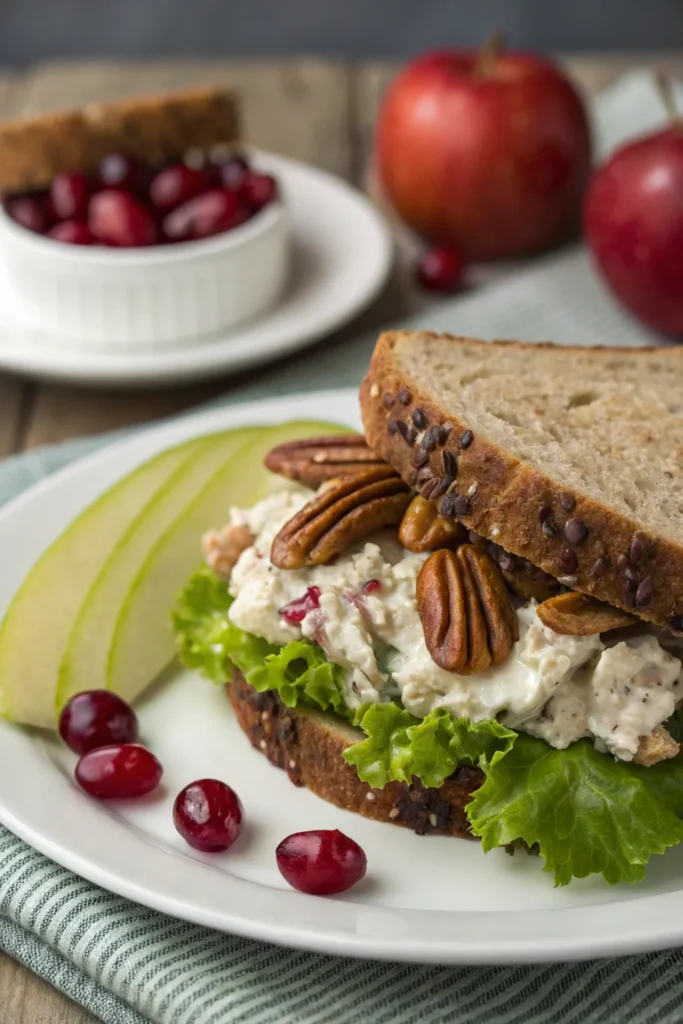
(658, 746)
(223, 547)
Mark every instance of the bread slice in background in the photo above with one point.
(309, 745)
(150, 128)
(565, 441)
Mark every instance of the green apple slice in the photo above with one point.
(37, 625)
(84, 665)
(143, 640)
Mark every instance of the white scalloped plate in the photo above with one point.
(430, 899)
(342, 253)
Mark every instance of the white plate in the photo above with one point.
(430, 899)
(341, 257)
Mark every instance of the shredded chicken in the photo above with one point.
(223, 547)
(658, 746)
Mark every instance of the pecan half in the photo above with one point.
(314, 460)
(574, 614)
(343, 513)
(423, 529)
(465, 610)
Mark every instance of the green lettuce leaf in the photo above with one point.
(587, 812)
(400, 746)
(207, 640)
(201, 626)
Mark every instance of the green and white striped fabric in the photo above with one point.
(127, 964)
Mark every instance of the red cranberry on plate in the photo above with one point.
(30, 212)
(119, 171)
(69, 195)
(207, 214)
(208, 814)
(175, 185)
(117, 218)
(258, 190)
(441, 269)
(296, 611)
(233, 172)
(118, 772)
(321, 863)
(75, 232)
(97, 718)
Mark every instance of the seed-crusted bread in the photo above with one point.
(309, 746)
(569, 457)
(155, 127)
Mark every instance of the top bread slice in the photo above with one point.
(569, 457)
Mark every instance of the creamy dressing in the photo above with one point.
(560, 688)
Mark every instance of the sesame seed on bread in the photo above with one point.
(309, 745)
(569, 457)
(150, 128)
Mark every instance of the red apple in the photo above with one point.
(487, 151)
(633, 221)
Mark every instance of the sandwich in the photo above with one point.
(469, 620)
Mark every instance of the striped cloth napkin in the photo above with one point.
(127, 964)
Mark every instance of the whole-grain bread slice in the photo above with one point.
(309, 745)
(150, 128)
(569, 457)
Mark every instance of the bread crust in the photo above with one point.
(517, 506)
(309, 747)
(149, 128)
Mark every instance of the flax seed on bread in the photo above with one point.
(309, 745)
(569, 457)
(151, 128)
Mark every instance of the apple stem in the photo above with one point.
(665, 89)
(488, 54)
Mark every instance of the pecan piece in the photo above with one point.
(574, 614)
(223, 547)
(465, 610)
(314, 460)
(344, 512)
(423, 529)
(658, 746)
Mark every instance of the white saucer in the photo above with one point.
(342, 255)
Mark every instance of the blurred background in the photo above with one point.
(38, 29)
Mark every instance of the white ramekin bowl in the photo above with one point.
(154, 297)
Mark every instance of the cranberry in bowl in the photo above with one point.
(158, 261)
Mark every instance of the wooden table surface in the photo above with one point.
(319, 111)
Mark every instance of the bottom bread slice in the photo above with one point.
(309, 745)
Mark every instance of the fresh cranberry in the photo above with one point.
(97, 718)
(233, 172)
(258, 190)
(371, 586)
(296, 611)
(75, 232)
(441, 269)
(175, 185)
(321, 863)
(207, 214)
(118, 772)
(29, 211)
(119, 171)
(117, 218)
(69, 195)
(208, 815)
